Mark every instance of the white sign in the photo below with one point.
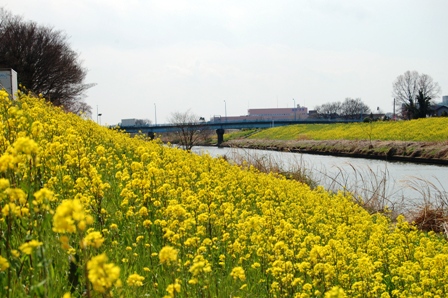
(8, 81)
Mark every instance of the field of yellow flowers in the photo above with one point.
(421, 130)
(89, 212)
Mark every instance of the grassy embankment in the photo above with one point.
(420, 140)
(89, 212)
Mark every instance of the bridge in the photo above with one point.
(221, 126)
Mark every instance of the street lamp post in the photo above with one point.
(295, 109)
(98, 115)
(225, 109)
(155, 114)
(394, 111)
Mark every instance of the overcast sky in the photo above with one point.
(179, 55)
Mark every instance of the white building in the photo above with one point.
(445, 100)
(271, 114)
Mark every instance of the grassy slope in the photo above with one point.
(427, 130)
(417, 139)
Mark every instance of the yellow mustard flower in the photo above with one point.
(43, 194)
(143, 211)
(26, 146)
(238, 273)
(15, 253)
(94, 239)
(4, 183)
(67, 214)
(101, 274)
(335, 292)
(174, 288)
(28, 247)
(135, 280)
(168, 255)
(3, 264)
(147, 223)
(200, 265)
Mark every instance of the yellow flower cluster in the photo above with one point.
(424, 129)
(238, 273)
(102, 275)
(135, 280)
(3, 264)
(172, 289)
(68, 213)
(28, 247)
(167, 255)
(94, 239)
(74, 196)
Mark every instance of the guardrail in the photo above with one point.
(159, 128)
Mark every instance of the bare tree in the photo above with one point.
(143, 122)
(44, 61)
(81, 108)
(427, 91)
(349, 109)
(354, 108)
(190, 130)
(410, 85)
(330, 110)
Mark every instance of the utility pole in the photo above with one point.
(394, 111)
(295, 110)
(98, 115)
(155, 114)
(225, 109)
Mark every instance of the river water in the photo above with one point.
(395, 183)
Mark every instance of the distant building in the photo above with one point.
(440, 110)
(313, 114)
(445, 100)
(134, 122)
(128, 122)
(298, 113)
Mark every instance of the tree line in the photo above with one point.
(413, 94)
(348, 109)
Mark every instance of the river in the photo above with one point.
(396, 184)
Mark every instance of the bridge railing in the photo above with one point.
(236, 124)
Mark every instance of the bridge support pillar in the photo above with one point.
(220, 133)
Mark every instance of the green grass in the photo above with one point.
(240, 134)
